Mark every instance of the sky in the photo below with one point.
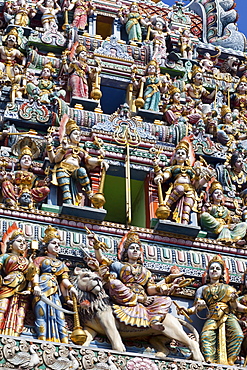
(241, 7)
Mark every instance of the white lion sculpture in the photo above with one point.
(97, 317)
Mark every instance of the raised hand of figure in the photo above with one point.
(148, 301)
(158, 179)
(73, 291)
(37, 291)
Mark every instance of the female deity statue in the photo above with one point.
(133, 21)
(15, 287)
(19, 12)
(83, 9)
(239, 98)
(242, 316)
(226, 133)
(233, 176)
(79, 72)
(152, 86)
(174, 111)
(23, 181)
(70, 162)
(137, 299)
(221, 336)
(184, 179)
(216, 218)
(52, 275)
(49, 17)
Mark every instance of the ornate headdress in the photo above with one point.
(243, 79)
(173, 90)
(214, 186)
(25, 151)
(217, 259)
(183, 145)
(224, 110)
(49, 66)
(50, 233)
(71, 126)
(195, 70)
(129, 238)
(187, 146)
(80, 48)
(14, 32)
(12, 232)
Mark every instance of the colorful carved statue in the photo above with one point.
(217, 218)
(52, 275)
(79, 72)
(9, 53)
(242, 316)
(226, 133)
(83, 9)
(133, 21)
(159, 38)
(239, 98)
(18, 83)
(221, 336)
(49, 11)
(71, 161)
(23, 181)
(195, 89)
(186, 44)
(19, 12)
(181, 197)
(209, 61)
(44, 87)
(15, 288)
(175, 111)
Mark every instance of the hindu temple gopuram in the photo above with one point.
(123, 185)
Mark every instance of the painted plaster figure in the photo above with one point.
(49, 9)
(186, 45)
(52, 274)
(159, 38)
(23, 181)
(9, 53)
(195, 90)
(19, 12)
(83, 9)
(15, 288)
(217, 218)
(221, 336)
(71, 161)
(133, 21)
(175, 111)
(181, 197)
(239, 98)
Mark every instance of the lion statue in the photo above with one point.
(96, 316)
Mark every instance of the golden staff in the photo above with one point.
(78, 335)
(98, 198)
(30, 132)
(182, 311)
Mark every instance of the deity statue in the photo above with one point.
(174, 111)
(225, 130)
(233, 176)
(44, 87)
(160, 31)
(133, 21)
(52, 275)
(18, 83)
(137, 300)
(71, 162)
(209, 61)
(153, 85)
(15, 287)
(195, 89)
(19, 12)
(83, 9)
(184, 179)
(23, 181)
(221, 336)
(186, 44)
(9, 53)
(79, 72)
(242, 316)
(239, 98)
(217, 219)
(49, 11)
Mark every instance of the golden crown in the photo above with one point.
(224, 110)
(49, 66)
(15, 234)
(80, 48)
(14, 32)
(183, 145)
(50, 233)
(132, 237)
(243, 79)
(173, 90)
(71, 126)
(195, 70)
(218, 259)
(214, 186)
(25, 151)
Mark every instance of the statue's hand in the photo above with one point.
(37, 291)
(73, 291)
(105, 165)
(201, 304)
(158, 179)
(148, 301)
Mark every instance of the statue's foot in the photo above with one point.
(160, 355)
(157, 326)
(241, 242)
